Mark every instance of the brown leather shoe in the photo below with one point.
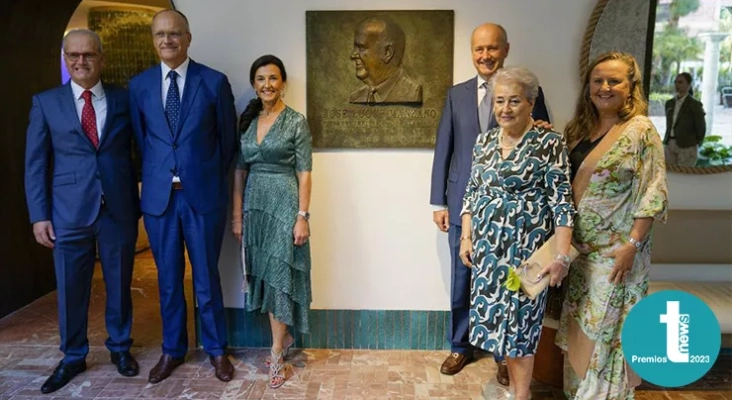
(454, 363)
(164, 368)
(502, 373)
(223, 367)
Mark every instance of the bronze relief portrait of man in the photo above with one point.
(377, 79)
(378, 52)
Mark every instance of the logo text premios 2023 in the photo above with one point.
(671, 338)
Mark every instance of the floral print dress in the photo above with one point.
(628, 182)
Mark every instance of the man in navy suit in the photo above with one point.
(185, 125)
(467, 112)
(81, 189)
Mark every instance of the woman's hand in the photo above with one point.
(623, 256)
(236, 227)
(557, 271)
(301, 231)
(466, 252)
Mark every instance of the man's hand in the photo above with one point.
(542, 124)
(442, 219)
(43, 231)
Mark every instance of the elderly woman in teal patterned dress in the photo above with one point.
(271, 199)
(518, 195)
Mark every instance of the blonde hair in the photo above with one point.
(586, 117)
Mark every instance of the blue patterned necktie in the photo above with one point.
(172, 102)
(484, 109)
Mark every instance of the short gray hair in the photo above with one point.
(88, 32)
(180, 14)
(520, 75)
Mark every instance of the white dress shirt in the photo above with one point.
(99, 102)
(182, 70)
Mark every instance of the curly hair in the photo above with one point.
(586, 117)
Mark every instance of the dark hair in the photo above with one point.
(688, 78)
(255, 105)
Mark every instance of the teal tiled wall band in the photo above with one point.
(348, 329)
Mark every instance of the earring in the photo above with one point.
(283, 94)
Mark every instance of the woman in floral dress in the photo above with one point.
(619, 189)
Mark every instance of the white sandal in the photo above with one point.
(277, 369)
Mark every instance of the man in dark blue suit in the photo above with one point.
(81, 189)
(185, 125)
(467, 113)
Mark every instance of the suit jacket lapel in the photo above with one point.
(684, 108)
(471, 93)
(156, 94)
(193, 81)
(108, 123)
(68, 109)
(670, 115)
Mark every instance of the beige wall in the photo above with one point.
(694, 237)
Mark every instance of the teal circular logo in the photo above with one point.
(671, 338)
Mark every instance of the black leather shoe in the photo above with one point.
(126, 364)
(62, 375)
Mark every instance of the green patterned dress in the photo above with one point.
(628, 182)
(277, 272)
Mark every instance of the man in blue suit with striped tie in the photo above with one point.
(81, 190)
(185, 125)
(467, 113)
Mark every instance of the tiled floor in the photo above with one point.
(29, 352)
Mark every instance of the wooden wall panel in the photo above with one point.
(31, 32)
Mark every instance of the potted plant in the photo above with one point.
(713, 152)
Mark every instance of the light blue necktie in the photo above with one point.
(172, 102)
(484, 109)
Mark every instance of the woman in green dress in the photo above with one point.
(270, 209)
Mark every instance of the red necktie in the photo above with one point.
(89, 119)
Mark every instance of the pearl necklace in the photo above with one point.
(503, 146)
(516, 143)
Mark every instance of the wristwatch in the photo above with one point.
(304, 214)
(635, 243)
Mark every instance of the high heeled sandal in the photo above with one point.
(285, 351)
(277, 369)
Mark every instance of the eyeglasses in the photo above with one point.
(175, 35)
(76, 56)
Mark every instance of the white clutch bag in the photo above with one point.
(531, 283)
